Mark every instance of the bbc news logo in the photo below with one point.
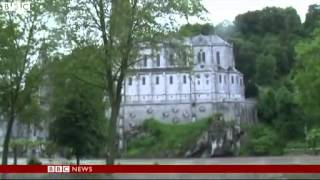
(58, 169)
(69, 169)
(15, 6)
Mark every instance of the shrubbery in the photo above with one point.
(158, 139)
(313, 139)
(261, 140)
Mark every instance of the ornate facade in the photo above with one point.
(183, 84)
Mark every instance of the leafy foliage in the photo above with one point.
(266, 70)
(79, 127)
(21, 36)
(307, 75)
(261, 140)
(313, 139)
(165, 140)
(265, 43)
(267, 105)
(77, 106)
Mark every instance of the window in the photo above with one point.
(143, 80)
(184, 79)
(130, 81)
(232, 79)
(171, 63)
(220, 79)
(225, 79)
(199, 57)
(218, 57)
(203, 57)
(145, 62)
(158, 60)
(171, 79)
(237, 80)
(157, 80)
(207, 81)
(198, 82)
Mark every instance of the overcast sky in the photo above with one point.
(220, 10)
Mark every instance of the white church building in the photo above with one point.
(185, 83)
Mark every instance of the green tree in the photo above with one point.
(268, 20)
(20, 42)
(267, 105)
(313, 139)
(80, 69)
(278, 108)
(272, 46)
(289, 121)
(266, 70)
(76, 103)
(262, 140)
(105, 24)
(271, 32)
(246, 53)
(306, 78)
(79, 127)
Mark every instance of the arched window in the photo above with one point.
(171, 79)
(203, 57)
(184, 79)
(157, 80)
(218, 57)
(143, 80)
(199, 56)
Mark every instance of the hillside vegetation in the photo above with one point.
(156, 139)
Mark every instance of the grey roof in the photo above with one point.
(207, 40)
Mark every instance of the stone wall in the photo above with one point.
(135, 114)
